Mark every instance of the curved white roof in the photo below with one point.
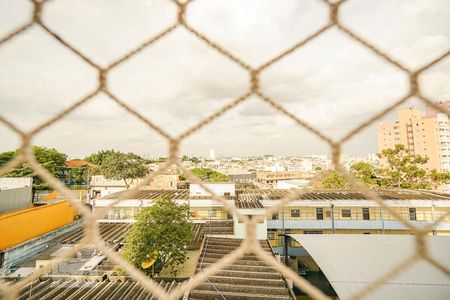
(352, 261)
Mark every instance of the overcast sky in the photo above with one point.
(332, 83)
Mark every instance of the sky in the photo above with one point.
(332, 83)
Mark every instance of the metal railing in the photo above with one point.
(92, 236)
(204, 249)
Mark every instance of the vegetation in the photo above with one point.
(97, 158)
(401, 169)
(207, 175)
(334, 180)
(78, 175)
(124, 166)
(163, 227)
(210, 175)
(50, 158)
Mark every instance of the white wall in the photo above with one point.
(292, 184)
(14, 199)
(217, 188)
(10, 182)
(240, 229)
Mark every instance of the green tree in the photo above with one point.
(334, 181)
(210, 175)
(366, 172)
(164, 227)
(50, 158)
(403, 169)
(437, 178)
(124, 166)
(79, 174)
(98, 157)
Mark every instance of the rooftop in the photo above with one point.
(265, 194)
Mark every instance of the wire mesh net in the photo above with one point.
(249, 245)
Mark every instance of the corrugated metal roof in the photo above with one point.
(274, 194)
(352, 262)
(72, 289)
(112, 233)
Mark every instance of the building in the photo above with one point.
(425, 135)
(212, 154)
(432, 112)
(15, 193)
(101, 186)
(271, 178)
(316, 211)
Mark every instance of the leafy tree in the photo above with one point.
(79, 174)
(210, 175)
(97, 158)
(124, 166)
(437, 178)
(334, 180)
(50, 158)
(164, 227)
(403, 169)
(366, 172)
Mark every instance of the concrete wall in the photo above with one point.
(240, 229)
(12, 182)
(218, 188)
(15, 198)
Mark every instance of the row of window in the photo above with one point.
(345, 213)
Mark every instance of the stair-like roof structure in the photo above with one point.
(246, 278)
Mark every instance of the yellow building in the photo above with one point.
(425, 135)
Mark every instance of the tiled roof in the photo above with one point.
(76, 163)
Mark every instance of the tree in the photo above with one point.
(97, 158)
(124, 166)
(50, 158)
(365, 172)
(163, 227)
(403, 169)
(210, 175)
(78, 175)
(334, 180)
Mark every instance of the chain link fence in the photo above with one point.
(249, 245)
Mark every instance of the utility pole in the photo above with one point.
(433, 217)
(333, 229)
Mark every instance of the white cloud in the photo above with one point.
(332, 83)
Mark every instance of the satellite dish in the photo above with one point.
(151, 259)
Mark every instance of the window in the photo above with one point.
(312, 232)
(412, 214)
(295, 213)
(346, 213)
(319, 213)
(366, 213)
(275, 216)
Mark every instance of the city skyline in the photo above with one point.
(179, 80)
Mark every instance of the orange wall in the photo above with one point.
(19, 226)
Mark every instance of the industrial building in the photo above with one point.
(302, 223)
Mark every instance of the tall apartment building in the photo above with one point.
(425, 135)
